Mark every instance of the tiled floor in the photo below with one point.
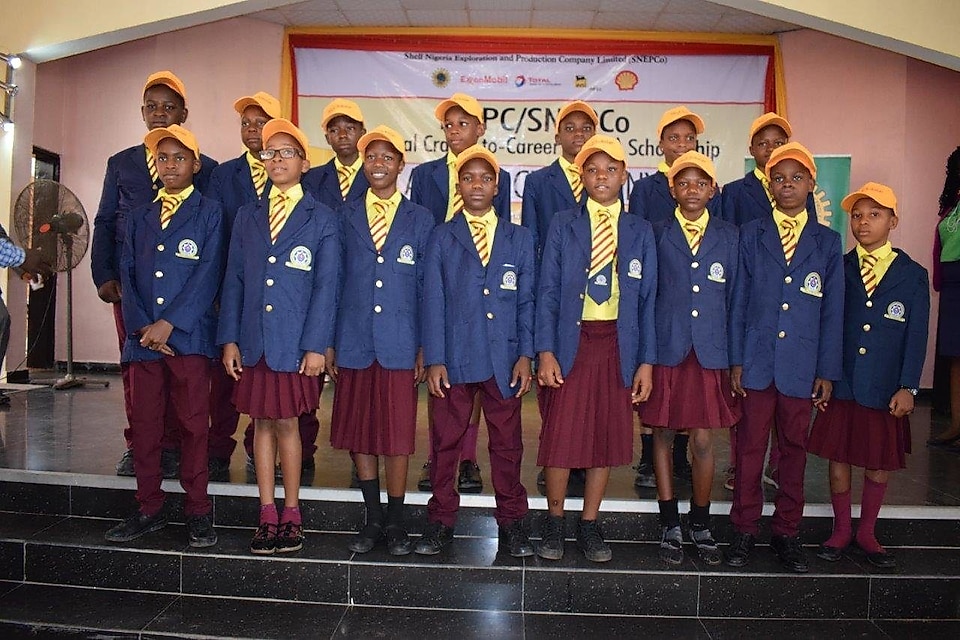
(79, 431)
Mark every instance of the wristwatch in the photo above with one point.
(911, 391)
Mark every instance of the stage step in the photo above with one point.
(56, 570)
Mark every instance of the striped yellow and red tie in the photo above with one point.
(867, 273)
(152, 167)
(456, 204)
(788, 238)
(604, 245)
(344, 173)
(576, 182)
(167, 208)
(766, 189)
(479, 232)
(278, 215)
(259, 175)
(694, 237)
(378, 226)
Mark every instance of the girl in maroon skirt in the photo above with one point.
(595, 340)
(886, 308)
(378, 361)
(697, 260)
(277, 313)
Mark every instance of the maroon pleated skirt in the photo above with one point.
(375, 411)
(863, 437)
(588, 421)
(689, 396)
(273, 395)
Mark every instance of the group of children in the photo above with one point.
(700, 312)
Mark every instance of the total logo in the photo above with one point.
(519, 81)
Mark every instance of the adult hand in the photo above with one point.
(109, 291)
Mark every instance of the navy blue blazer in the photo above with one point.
(745, 199)
(324, 184)
(695, 293)
(891, 329)
(126, 186)
(380, 294)
(545, 192)
(173, 274)
(478, 320)
(430, 187)
(232, 186)
(563, 283)
(280, 300)
(787, 322)
(651, 199)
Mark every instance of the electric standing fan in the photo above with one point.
(49, 217)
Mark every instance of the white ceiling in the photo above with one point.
(633, 15)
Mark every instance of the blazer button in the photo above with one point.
(486, 292)
(377, 309)
(378, 284)
(159, 274)
(380, 259)
(489, 315)
(268, 308)
(866, 327)
(582, 296)
(160, 247)
(862, 351)
(272, 259)
(788, 279)
(695, 313)
(694, 265)
(869, 303)
(782, 334)
(696, 288)
(578, 323)
(159, 300)
(785, 306)
(269, 282)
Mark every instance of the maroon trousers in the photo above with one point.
(224, 417)
(792, 415)
(451, 418)
(171, 431)
(180, 383)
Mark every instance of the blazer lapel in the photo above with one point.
(186, 211)
(581, 231)
(461, 231)
(678, 239)
(894, 275)
(756, 192)
(558, 181)
(770, 239)
(401, 222)
(442, 178)
(262, 219)
(709, 240)
(808, 241)
(245, 180)
(361, 226)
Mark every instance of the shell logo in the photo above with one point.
(626, 80)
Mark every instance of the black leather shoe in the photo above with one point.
(136, 526)
(423, 482)
(590, 541)
(125, 465)
(366, 538)
(645, 478)
(790, 552)
(882, 559)
(218, 469)
(434, 539)
(552, 535)
(200, 531)
(738, 553)
(516, 541)
(170, 464)
(828, 553)
(469, 480)
(398, 541)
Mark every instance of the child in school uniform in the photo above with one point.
(696, 267)
(378, 361)
(131, 180)
(477, 324)
(340, 180)
(170, 271)
(784, 350)
(595, 341)
(885, 315)
(277, 314)
(650, 198)
(433, 185)
(558, 186)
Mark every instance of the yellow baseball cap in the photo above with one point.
(381, 132)
(477, 151)
(679, 113)
(607, 144)
(767, 120)
(573, 107)
(340, 107)
(880, 193)
(282, 125)
(468, 103)
(792, 151)
(167, 79)
(175, 131)
(269, 104)
(692, 159)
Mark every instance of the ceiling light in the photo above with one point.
(13, 60)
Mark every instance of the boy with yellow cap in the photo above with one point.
(785, 349)
(477, 332)
(885, 315)
(341, 180)
(170, 272)
(595, 340)
(132, 181)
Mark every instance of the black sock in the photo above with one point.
(669, 513)
(646, 448)
(395, 510)
(371, 500)
(680, 450)
(699, 517)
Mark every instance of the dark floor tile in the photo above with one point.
(99, 502)
(915, 599)
(18, 631)
(11, 560)
(450, 587)
(233, 541)
(914, 562)
(926, 629)
(462, 552)
(99, 567)
(20, 526)
(23, 497)
(539, 625)
(89, 532)
(7, 586)
(737, 629)
(245, 619)
(362, 623)
(783, 596)
(282, 578)
(82, 608)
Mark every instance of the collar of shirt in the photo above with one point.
(762, 177)
(568, 169)
(801, 219)
(700, 223)
(183, 195)
(294, 195)
(253, 160)
(354, 168)
(663, 167)
(393, 203)
(489, 220)
(593, 209)
(884, 255)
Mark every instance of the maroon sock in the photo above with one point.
(870, 505)
(268, 513)
(842, 527)
(292, 514)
